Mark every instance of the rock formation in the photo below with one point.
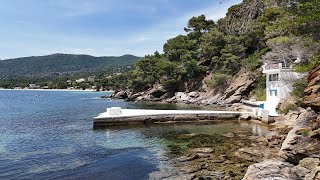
(237, 88)
(299, 156)
(271, 169)
(312, 91)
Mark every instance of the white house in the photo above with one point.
(279, 80)
(80, 80)
(91, 79)
(33, 86)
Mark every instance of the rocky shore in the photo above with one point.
(292, 153)
(298, 157)
(238, 88)
(289, 151)
(216, 156)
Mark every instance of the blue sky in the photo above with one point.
(97, 27)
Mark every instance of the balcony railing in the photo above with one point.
(275, 66)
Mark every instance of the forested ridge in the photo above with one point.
(55, 64)
(53, 71)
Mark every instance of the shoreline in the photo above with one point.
(71, 90)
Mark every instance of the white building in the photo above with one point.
(91, 79)
(80, 80)
(33, 86)
(279, 80)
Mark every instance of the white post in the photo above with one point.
(113, 111)
(265, 116)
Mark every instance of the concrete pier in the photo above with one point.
(117, 116)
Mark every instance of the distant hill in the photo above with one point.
(62, 64)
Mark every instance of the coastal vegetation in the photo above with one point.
(253, 32)
(218, 80)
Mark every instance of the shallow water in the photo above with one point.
(48, 134)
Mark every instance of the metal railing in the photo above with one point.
(276, 66)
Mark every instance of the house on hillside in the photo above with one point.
(90, 79)
(279, 80)
(33, 86)
(80, 80)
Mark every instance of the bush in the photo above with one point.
(303, 132)
(259, 92)
(288, 108)
(298, 88)
(252, 62)
(218, 79)
(306, 67)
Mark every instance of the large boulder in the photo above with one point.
(297, 144)
(157, 93)
(308, 168)
(271, 169)
(120, 94)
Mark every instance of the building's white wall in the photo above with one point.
(283, 87)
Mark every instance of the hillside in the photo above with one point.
(61, 64)
(220, 62)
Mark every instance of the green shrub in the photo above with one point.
(218, 80)
(303, 132)
(252, 62)
(288, 108)
(298, 88)
(259, 92)
(306, 67)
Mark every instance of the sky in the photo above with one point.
(97, 27)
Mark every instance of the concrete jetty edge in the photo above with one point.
(107, 120)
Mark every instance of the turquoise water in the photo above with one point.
(49, 135)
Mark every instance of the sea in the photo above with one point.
(50, 135)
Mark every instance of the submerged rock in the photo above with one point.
(185, 177)
(249, 154)
(245, 117)
(202, 150)
(229, 135)
(190, 157)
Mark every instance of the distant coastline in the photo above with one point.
(75, 90)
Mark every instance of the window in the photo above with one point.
(273, 77)
(273, 92)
